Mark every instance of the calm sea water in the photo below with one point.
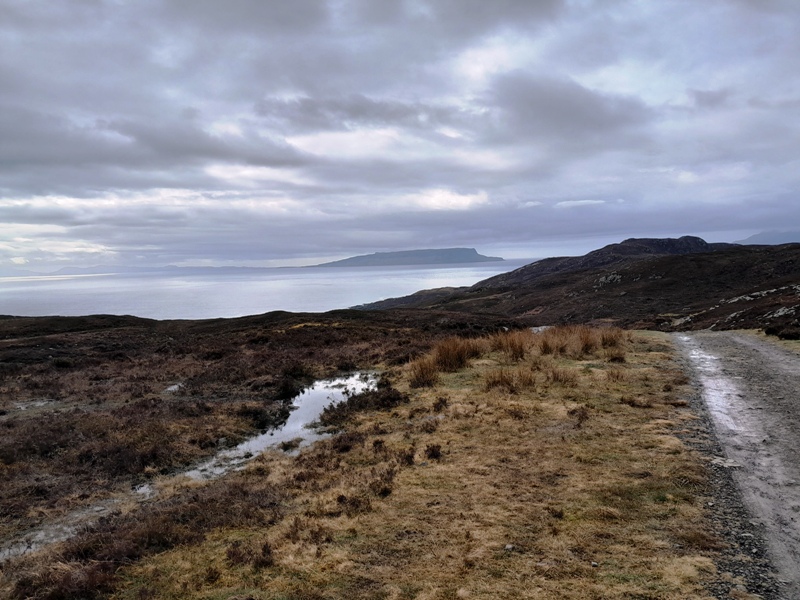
(162, 296)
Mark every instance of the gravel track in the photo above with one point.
(749, 389)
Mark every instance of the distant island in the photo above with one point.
(441, 256)
(772, 238)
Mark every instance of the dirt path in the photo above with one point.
(751, 388)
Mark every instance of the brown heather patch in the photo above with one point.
(552, 492)
(88, 407)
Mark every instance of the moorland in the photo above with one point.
(491, 460)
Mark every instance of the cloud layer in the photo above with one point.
(200, 132)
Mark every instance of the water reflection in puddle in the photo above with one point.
(306, 409)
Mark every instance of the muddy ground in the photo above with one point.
(750, 385)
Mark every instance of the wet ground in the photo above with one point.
(751, 388)
(298, 430)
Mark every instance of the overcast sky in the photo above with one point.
(250, 131)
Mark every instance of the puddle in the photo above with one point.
(306, 409)
(719, 391)
(33, 404)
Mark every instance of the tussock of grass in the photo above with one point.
(514, 344)
(423, 372)
(448, 356)
(562, 376)
(510, 380)
(453, 354)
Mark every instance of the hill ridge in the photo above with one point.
(672, 284)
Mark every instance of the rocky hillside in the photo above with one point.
(668, 284)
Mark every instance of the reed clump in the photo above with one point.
(448, 356)
(514, 344)
(581, 341)
(453, 354)
(423, 372)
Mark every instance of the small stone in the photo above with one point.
(509, 548)
(594, 564)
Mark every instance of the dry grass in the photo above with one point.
(580, 341)
(514, 344)
(555, 489)
(448, 356)
(423, 372)
(454, 353)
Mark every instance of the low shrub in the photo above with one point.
(440, 404)
(581, 415)
(433, 452)
(88, 563)
(344, 442)
(264, 417)
(382, 399)
(405, 456)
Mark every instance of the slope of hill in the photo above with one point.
(661, 284)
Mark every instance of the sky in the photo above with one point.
(267, 132)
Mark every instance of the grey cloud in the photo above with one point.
(779, 6)
(710, 98)
(466, 17)
(183, 141)
(114, 154)
(562, 111)
(28, 214)
(254, 17)
(457, 18)
(353, 110)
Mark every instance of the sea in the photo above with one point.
(225, 294)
